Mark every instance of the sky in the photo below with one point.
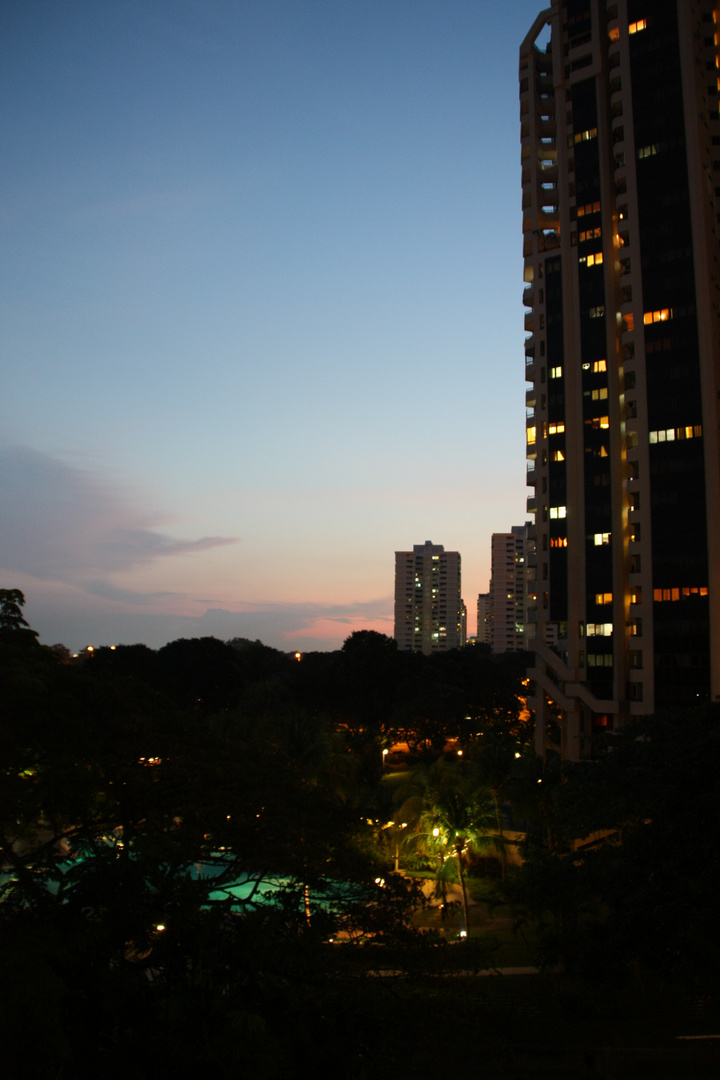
(261, 319)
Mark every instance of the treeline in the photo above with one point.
(369, 689)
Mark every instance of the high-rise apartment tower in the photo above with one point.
(429, 612)
(484, 623)
(621, 200)
(507, 590)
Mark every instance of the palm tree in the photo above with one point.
(453, 814)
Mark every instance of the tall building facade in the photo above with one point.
(429, 612)
(621, 202)
(507, 590)
(484, 625)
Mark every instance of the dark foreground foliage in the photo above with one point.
(622, 869)
(130, 775)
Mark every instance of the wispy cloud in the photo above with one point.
(64, 523)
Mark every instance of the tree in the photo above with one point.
(369, 642)
(12, 602)
(452, 814)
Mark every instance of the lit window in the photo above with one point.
(591, 260)
(556, 372)
(600, 395)
(599, 629)
(557, 455)
(636, 27)
(661, 315)
(582, 136)
(614, 33)
(603, 598)
(675, 593)
(601, 538)
(647, 151)
(556, 429)
(590, 234)
(531, 434)
(558, 541)
(558, 511)
(600, 365)
(588, 208)
(597, 312)
(690, 431)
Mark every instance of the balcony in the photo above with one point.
(529, 296)
(549, 223)
(549, 240)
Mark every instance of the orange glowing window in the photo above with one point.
(686, 592)
(636, 27)
(614, 33)
(661, 315)
(591, 260)
(590, 234)
(589, 208)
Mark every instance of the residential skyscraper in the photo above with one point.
(507, 590)
(621, 199)
(484, 626)
(429, 612)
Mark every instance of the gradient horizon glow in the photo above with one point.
(261, 310)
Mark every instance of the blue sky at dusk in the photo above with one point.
(260, 306)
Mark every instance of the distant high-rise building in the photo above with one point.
(429, 612)
(507, 591)
(621, 202)
(484, 629)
